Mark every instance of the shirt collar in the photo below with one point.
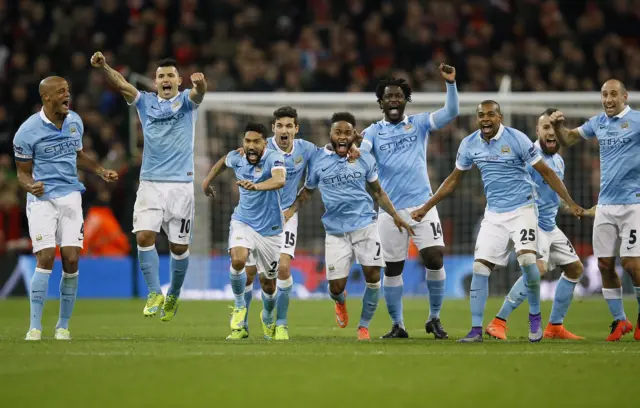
(404, 121)
(624, 112)
(293, 148)
(496, 137)
(170, 100)
(45, 118)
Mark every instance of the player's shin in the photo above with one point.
(282, 301)
(238, 281)
(68, 292)
(613, 296)
(562, 299)
(514, 298)
(531, 276)
(436, 286)
(150, 265)
(370, 301)
(269, 305)
(478, 293)
(178, 265)
(393, 290)
(37, 296)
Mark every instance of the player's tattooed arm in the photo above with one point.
(115, 78)
(448, 186)
(87, 163)
(217, 168)
(382, 199)
(303, 196)
(558, 186)
(566, 137)
(25, 178)
(199, 88)
(277, 181)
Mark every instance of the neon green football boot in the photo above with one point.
(169, 308)
(154, 302)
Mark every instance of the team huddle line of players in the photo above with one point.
(385, 164)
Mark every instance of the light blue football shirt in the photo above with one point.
(53, 152)
(343, 186)
(547, 200)
(502, 164)
(261, 210)
(296, 163)
(619, 139)
(168, 126)
(401, 152)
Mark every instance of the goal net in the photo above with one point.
(222, 117)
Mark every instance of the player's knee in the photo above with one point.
(145, 238)
(607, 266)
(337, 286)
(284, 271)
(433, 257)
(45, 258)
(251, 271)
(371, 274)
(527, 259)
(574, 270)
(268, 285)
(394, 268)
(238, 263)
(178, 249)
(479, 268)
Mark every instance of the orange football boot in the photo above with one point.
(497, 329)
(558, 331)
(363, 333)
(342, 317)
(618, 329)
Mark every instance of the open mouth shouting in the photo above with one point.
(252, 156)
(166, 88)
(342, 147)
(486, 127)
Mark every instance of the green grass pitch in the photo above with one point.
(120, 359)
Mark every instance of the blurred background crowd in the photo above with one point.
(298, 45)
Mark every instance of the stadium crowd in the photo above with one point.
(301, 45)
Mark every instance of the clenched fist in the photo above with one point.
(98, 60)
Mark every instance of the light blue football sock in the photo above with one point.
(282, 302)
(562, 299)
(150, 266)
(478, 298)
(435, 286)
(393, 290)
(68, 293)
(514, 298)
(238, 281)
(178, 264)
(531, 276)
(37, 296)
(269, 305)
(370, 301)
(613, 297)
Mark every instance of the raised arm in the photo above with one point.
(86, 163)
(25, 178)
(114, 78)
(565, 136)
(558, 186)
(448, 186)
(217, 168)
(382, 199)
(443, 116)
(196, 94)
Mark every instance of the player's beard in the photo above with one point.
(341, 148)
(550, 147)
(253, 157)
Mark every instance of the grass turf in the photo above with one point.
(120, 359)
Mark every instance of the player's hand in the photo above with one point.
(247, 185)
(109, 175)
(197, 79)
(447, 72)
(402, 224)
(556, 118)
(240, 151)
(418, 214)
(591, 212)
(37, 189)
(353, 154)
(208, 189)
(576, 210)
(288, 214)
(98, 60)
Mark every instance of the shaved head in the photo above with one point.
(49, 84)
(614, 84)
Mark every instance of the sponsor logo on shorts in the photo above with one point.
(332, 268)
(180, 236)
(39, 237)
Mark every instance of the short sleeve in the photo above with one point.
(138, 101)
(367, 139)
(277, 162)
(309, 148)
(588, 128)
(312, 177)
(372, 168)
(526, 150)
(232, 159)
(22, 148)
(463, 159)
